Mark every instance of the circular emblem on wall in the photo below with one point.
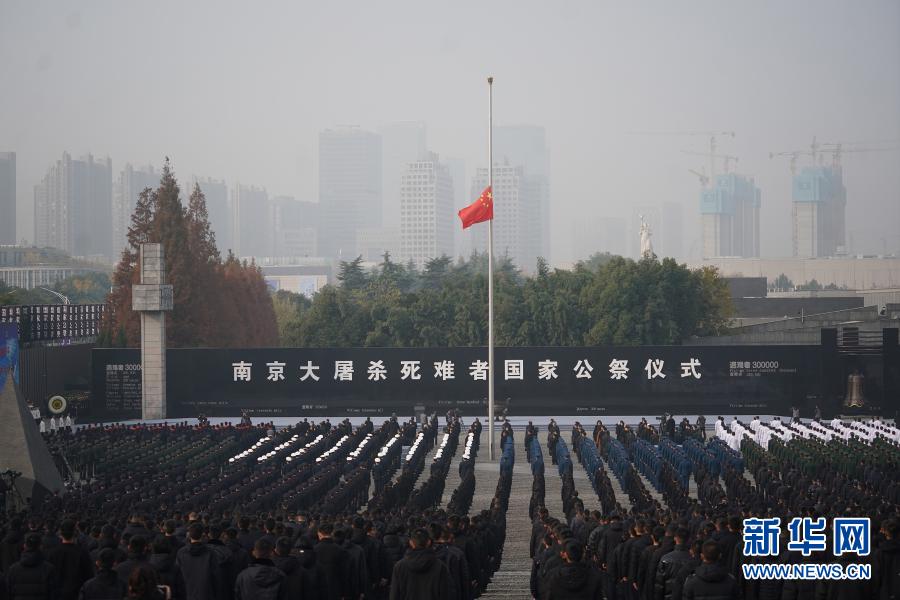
(57, 405)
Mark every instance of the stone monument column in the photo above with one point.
(152, 297)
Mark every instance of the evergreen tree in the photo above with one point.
(215, 303)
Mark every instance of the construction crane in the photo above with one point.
(726, 158)
(701, 175)
(796, 154)
(839, 148)
(713, 144)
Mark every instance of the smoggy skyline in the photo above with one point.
(241, 92)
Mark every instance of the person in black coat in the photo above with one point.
(670, 565)
(645, 577)
(137, 557)
(665, 546)
(420, 574)
(11, 545)
(199, 567)
(456, 563)
(315, 582)
(887, 561)
(290, 566)
(106, 585)
(163, 561)
(32, 577)
(240, 558)
(359, 579)
(136, 527)
(262, 580)
(335, 562)
(634, 548)
(71, 561)
(574, 579)
(711, 581)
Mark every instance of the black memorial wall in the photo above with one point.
(589, 381)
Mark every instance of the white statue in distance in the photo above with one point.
(646, 244)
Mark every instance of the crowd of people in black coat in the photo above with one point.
(335, 512)
(269, 532)
(693, 549)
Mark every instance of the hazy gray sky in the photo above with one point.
(240, 90)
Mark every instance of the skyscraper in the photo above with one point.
(7, 198)
(295, 226)
(401, 143)
(350, 190)
(252, 220)
(517, 226)
(73, 207)
(218, 209)
(92, 204)
(526, 146)
(462, 241)
(426, 211)
(819, 204)
(129, 185)
(729, 214)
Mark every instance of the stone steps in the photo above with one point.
(513, 577)
(509, 584)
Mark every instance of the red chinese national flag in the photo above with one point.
(479, 211)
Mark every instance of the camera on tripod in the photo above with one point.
(10, 494)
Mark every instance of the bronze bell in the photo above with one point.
(855, 397)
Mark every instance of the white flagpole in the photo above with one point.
(491, 270)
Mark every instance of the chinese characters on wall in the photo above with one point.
(445, 370)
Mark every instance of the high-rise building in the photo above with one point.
(350, 190)
(295, 225)
(218, 209)
(7, 198)
(73, 207)
(426, 211)
(462, 241)
(819, 204)
(252, 221)
(128, 186)
(517, 226)
(729, 215)
(526, 146)
(401, 143)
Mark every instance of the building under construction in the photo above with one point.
(729, 214)
(819, 203)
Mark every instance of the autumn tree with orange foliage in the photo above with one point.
(216, 303)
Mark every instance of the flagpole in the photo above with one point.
(491, 270)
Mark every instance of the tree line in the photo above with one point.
(86, 288)
(217, 303)
(604, 300)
